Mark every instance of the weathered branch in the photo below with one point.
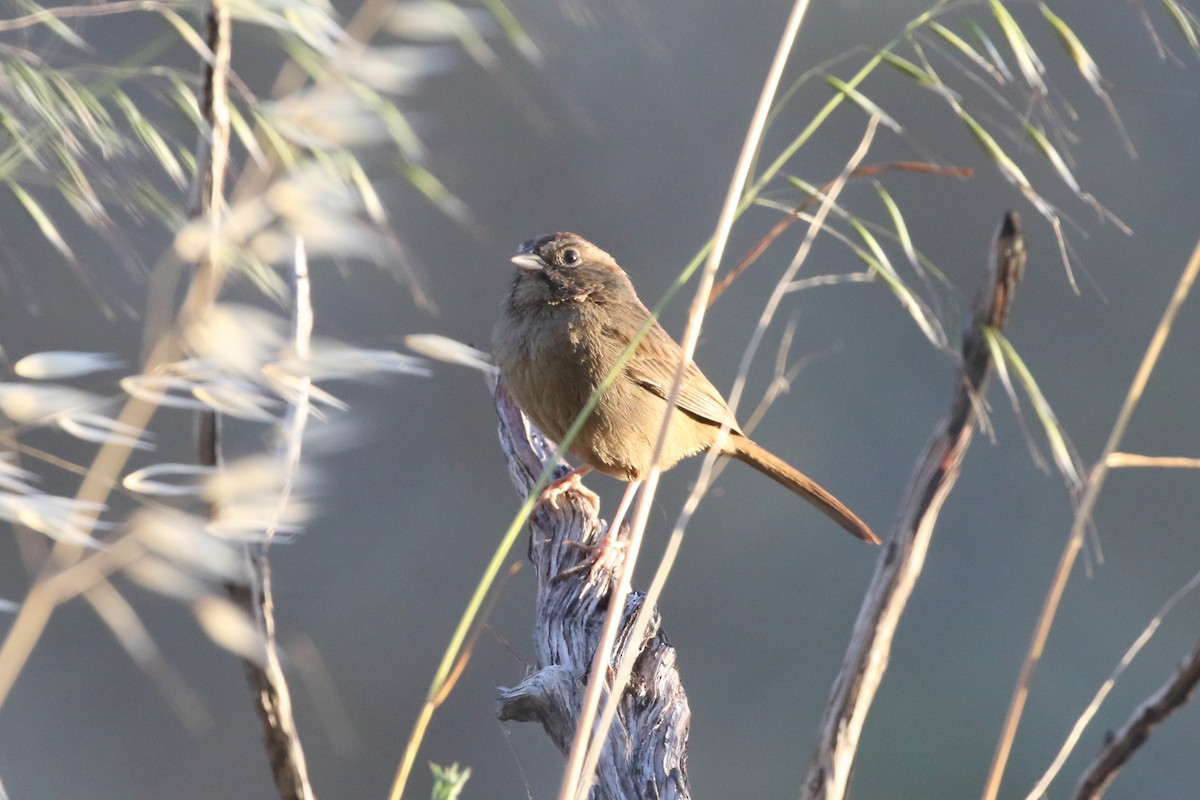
(645, 755)
(1125, 742)
(903, 556)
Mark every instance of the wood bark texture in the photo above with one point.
(645, 754)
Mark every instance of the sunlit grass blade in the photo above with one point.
(86, 113)
(245, 134)
(1064, 172)
(14, 478)
(182, 539)
(151, 138)
(1119, 460)
(902, 234)
(354, 172)
(1083, 60)
(1088, 69)
(990, 48)
(1028, 61)
(429, 185)
(863, 102)
(279, 146)
(331, 360)
(1187, 25)
(514, 31)
(161, 576)
(1014, 400)
(906, 67)
(40, 403)
(41, 219)
(1056, 160)
(1013, 174)
(310, 24)
(921, 75)
(53, 24)
(22, 146)
(189, 35)
(183, 97)
(1008, 168)
(964, 47)
(294, 388)
(875, 257)
(77, 188)
(1060, 447)
(916, 308)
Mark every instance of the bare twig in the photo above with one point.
(1083, 516)
(647, 755)
(272, 697)
(1125, 742)
(903, 557)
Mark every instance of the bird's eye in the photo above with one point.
(570, 256)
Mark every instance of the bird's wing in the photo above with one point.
(652, 366)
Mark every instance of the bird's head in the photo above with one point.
(565, 267)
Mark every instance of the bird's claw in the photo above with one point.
(606, 555)
(572, 481)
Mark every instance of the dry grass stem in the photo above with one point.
(585, 750)
(1083, 516)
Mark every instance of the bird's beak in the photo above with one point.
(528, 262)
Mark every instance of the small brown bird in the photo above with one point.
(571, 313)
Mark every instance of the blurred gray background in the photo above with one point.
(628, 136)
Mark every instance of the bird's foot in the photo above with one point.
(606, 556)
(572, 481)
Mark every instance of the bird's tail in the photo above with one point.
(788, 476)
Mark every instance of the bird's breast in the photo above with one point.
(547, 364)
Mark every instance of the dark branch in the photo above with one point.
(1122, 745)
(903, 557)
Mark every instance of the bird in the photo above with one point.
(570, 314)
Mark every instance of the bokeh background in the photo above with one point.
(627, 134)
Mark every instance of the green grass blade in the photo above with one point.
(41, 219)
(1028, 62)
(865, 103)
(963, 46)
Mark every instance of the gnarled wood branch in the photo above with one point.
(645, 754)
